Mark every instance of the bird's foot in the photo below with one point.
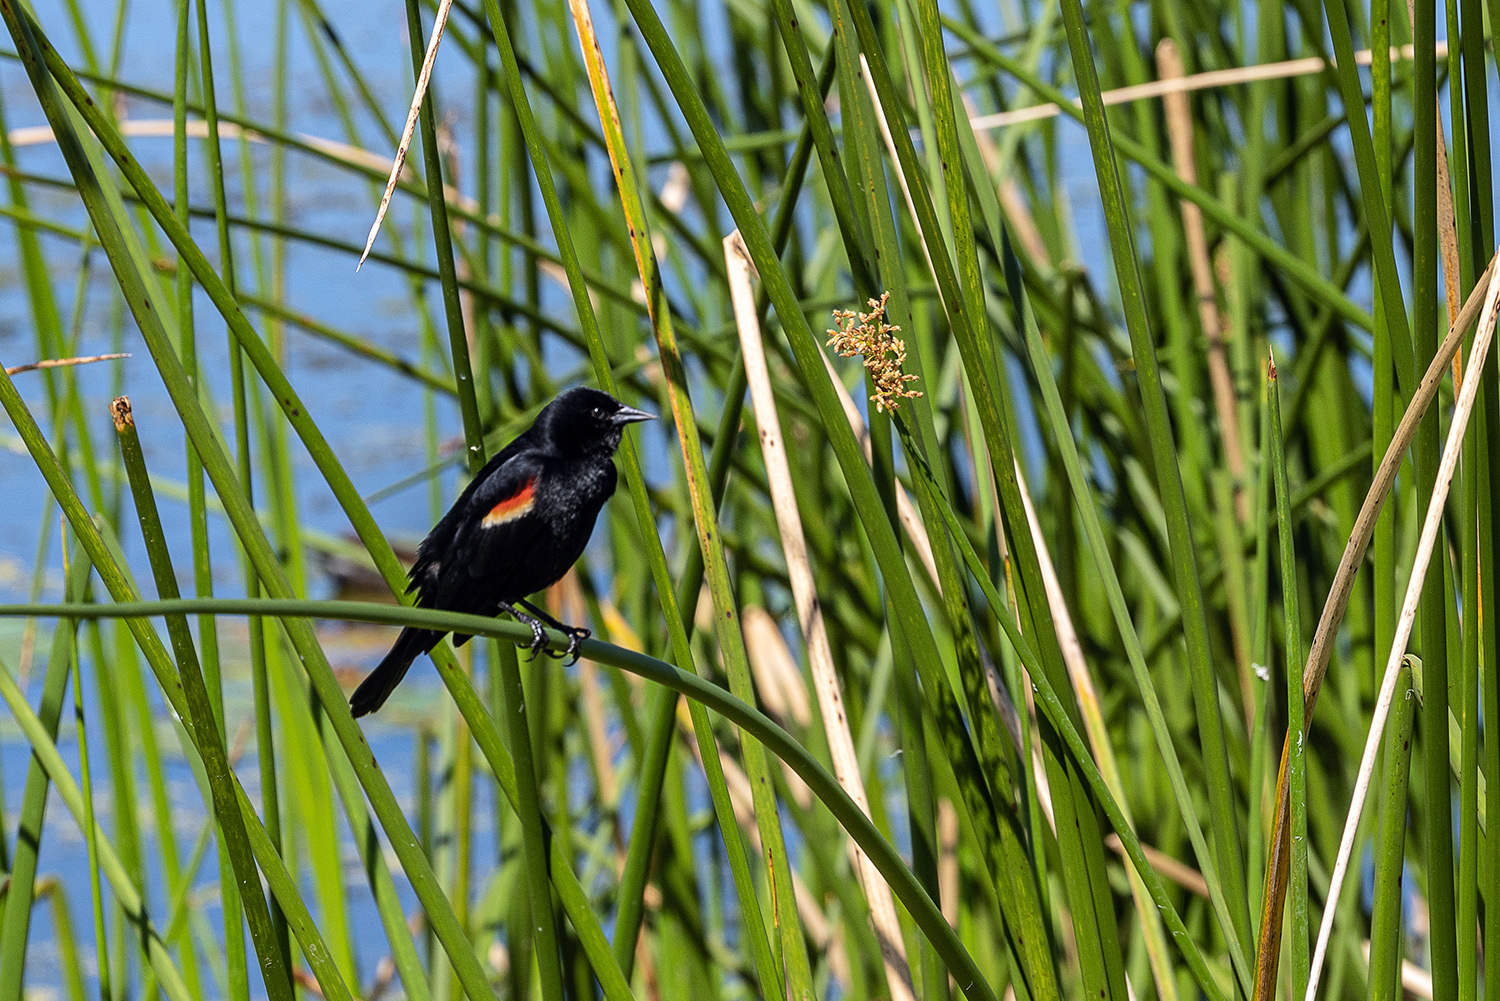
(538, 635)
(575, 634)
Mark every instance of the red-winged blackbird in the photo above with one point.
(515, 530)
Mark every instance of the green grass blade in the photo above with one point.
(795, 969)
(48, 759)
(1226, 843)
(1386, 932)
(15, 931)
(1296, 717)
(457, 337)
(203, 729)
(820, 781)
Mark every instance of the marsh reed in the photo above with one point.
(1033, 631)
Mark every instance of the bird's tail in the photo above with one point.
(381, 682)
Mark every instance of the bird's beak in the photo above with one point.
(630, 415)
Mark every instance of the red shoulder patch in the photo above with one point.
(512, 507)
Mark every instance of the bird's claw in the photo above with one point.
(576, 635)
(538, 640)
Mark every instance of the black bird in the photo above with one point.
(515, 530)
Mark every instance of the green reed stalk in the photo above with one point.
(760, 946)
(1386, 925)
(819, 780)
(463, 372)
(1475, 484)
(1227, 846)
(1438, 824)
(16, 927)
(47, 758)
(528, 808)
(1490, 682)
(232, 907)
(96, 892)
(1296, 717)
(794, 967)
(1479, 230)
(202, 726)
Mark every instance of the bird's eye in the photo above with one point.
(598, 411)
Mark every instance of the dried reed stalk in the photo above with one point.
(61, 363)
(1268, 951)
(439, 21)
(1425, 546)
(1104, 755)
(820, 932)
(1180, 129)
(1198, 81)
(809, 613)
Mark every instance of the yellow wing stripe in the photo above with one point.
(512, 507)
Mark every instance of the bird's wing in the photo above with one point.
(439, 546)
(495, 519)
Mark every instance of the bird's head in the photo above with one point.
(583, 421)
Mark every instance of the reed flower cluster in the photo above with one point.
(870, 336)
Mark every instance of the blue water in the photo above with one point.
(372, 417)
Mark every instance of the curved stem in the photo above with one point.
(760, 726)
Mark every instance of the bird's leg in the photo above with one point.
(576, 634)
(538, 637)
